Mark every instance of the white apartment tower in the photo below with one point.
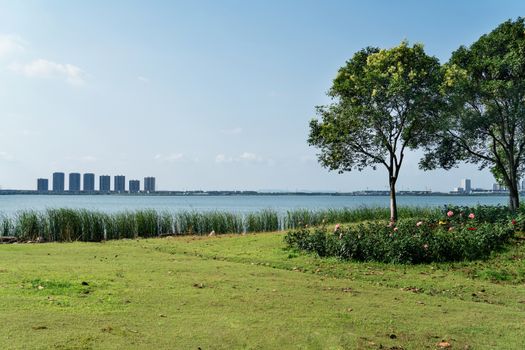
(465, 184)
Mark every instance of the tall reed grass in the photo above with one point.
(301, 217)
(95, 226)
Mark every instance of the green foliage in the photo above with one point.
(263, 221)
(385, 101)
(301, 217)
(483, 213)
(93, 226)
(191, 222)
(484, 121)
(407, 242)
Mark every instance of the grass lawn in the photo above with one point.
(230, 292)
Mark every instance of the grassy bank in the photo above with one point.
(248, 292)
(94, 226)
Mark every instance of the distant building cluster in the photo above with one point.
(465, 187)
(88, 182)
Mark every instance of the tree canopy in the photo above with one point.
(484, 122)
(384, 102)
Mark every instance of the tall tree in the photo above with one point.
(384, 102)
(485, 118)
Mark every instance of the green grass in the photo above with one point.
(246, 291)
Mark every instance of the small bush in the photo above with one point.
(407, 242)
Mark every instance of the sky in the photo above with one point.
(204, 95)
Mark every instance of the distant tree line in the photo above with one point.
(470, 109)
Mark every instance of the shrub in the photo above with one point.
(405, 242)
(483, 213)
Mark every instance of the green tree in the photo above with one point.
(384, 102)
(485, 118)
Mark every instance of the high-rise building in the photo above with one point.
(465, 183)
(104, 183)
(58, 182)
(149, 184)
(89, 182)
(134, 186)
(42, 185)
(74, 182)
(120, 183)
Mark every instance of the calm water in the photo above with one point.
(10, 204)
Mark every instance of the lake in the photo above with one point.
(10, 204)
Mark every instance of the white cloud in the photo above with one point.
(233, 131)
(221, 158)
(170, 158)
(245, 157)
(41, 68)
(10, 44)
(250, 157)
(6, 156)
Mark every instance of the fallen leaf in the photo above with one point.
(444, 345)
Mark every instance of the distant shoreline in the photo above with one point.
(250, 193)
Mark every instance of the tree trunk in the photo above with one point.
(514, 197)
(393, 203)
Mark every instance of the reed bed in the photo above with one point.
(301, 217)
(64, 225)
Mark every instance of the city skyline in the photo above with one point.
(221, 101)
(88, 184)
(134, 185)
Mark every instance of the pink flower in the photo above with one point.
(419, 223)
(395, 228)
(450, 228)
(336, 228)
(450, 213)
(471, 216)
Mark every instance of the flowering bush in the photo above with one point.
(482, 213)
(486, 214)
(407, 242)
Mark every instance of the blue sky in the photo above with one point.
(203, 94)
